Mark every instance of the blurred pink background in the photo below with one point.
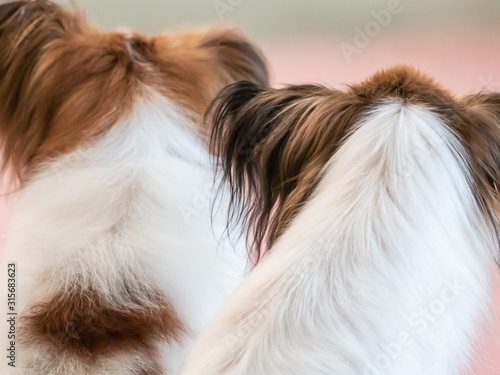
(457, 42)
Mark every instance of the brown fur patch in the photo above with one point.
(82, 322)
(193, 67)
(479, 128)
(404, 83)
(273, 144)
(62, 82)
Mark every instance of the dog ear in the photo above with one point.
(237, 57)
(273, 145)
(480, 131)
(61, 82)
(26, 29)
(195, 66)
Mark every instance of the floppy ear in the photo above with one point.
(26, 29)
(237, 57)
(481, 133)
(197, 65)
(272, 145)
(61, 82)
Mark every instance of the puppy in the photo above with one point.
(379, 207)
(112, 265)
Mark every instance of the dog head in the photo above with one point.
(274, 143)
(63, 82)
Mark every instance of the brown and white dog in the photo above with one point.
(379, 207)
(113, 264)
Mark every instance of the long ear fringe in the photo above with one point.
(240, 59)
(61, 83)
(482, 138)
(272, 145)
(26, 28)
(233, 141)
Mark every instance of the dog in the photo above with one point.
(112, 264)
(374, 213)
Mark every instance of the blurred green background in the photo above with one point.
(277, 18)
(456, 41)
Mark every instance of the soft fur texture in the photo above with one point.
(118, 265)
(379, 207)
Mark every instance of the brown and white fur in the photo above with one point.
(118, 268)
(379, 209)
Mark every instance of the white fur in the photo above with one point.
(384, 271)
(133, 204)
